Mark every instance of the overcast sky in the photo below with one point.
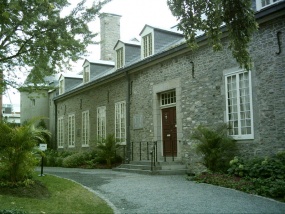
(135, 14)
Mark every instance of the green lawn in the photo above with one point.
(61, 196)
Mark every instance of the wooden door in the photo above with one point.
(169, 131)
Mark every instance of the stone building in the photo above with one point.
(157, 90)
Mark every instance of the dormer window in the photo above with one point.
(264, 3)
(86, 74)
(61, 86)
(147, 45)
(120, 58)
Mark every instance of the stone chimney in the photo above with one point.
(110, 34)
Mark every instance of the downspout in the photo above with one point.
(55, 125)
(128, 134)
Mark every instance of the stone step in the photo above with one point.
(160, 168)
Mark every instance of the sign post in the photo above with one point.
(42, 147)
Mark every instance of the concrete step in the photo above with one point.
(160, 168)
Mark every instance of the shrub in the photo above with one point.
(17, 150)
(215, 146)
(267, 174)
(107, 150)
(12, 212)
(76, 160)
(268, 167)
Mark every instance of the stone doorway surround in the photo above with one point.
(174, 84)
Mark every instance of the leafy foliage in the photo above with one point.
(268, 167)
(267, 174)
(261, 176)
(37, 35)
(107, 149)
(77, 159)
(17, 148)
(215, 146)
(208, 16)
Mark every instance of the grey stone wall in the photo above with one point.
(200, 99)
(105, 95)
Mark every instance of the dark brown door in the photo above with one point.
(169, 131)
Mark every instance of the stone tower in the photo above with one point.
(110, 34)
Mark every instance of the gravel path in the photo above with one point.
(136, 193)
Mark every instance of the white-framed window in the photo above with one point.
(61, 86)
(85, 129)
(120, 122)
(120, 57)
(239, 115)
(71, 130)
(60, 132)
(264, 3)
(167, 98)
(147, 45)
(86, 74)
(101, 123)
(33, 102)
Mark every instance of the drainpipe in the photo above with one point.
(55, 124)
(128, 134)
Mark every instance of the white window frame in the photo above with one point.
(61, 86)
(60, 132)
(101, 123)
(241, 116)
(120, 122)
(168, 98)
(260, 4)
(71, 130)
(120, 57)
(85, 129)
(147, 44)
(86, 74)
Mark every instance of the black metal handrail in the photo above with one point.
(146, 150)
(172, 151)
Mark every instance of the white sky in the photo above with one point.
(135, 14)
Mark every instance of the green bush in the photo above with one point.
(76, 160)
(215, 146)
(267, 174)
(17, 150)
(106, 152)
(268, 167)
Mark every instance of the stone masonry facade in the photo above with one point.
(200, 96)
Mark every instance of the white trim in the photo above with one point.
(236, 99)
(85, 128)
(259, 5)
(86, 74)
(60, 132)
(120, 122)
(101, 123)
(71, 131)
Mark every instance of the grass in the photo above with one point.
(51, 194)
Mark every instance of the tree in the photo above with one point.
(35, 35)
(17, 147)
(208, 16)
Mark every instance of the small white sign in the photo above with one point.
(43, 147)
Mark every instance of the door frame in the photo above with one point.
(174, 84)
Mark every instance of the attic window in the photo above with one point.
(86, 74)
(264, 3)
(61, 86)
(120, 58)
(147, 45)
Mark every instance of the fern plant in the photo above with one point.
(107, 149)
(17, 148)
(216, 147)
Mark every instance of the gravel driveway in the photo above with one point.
(136, 193)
